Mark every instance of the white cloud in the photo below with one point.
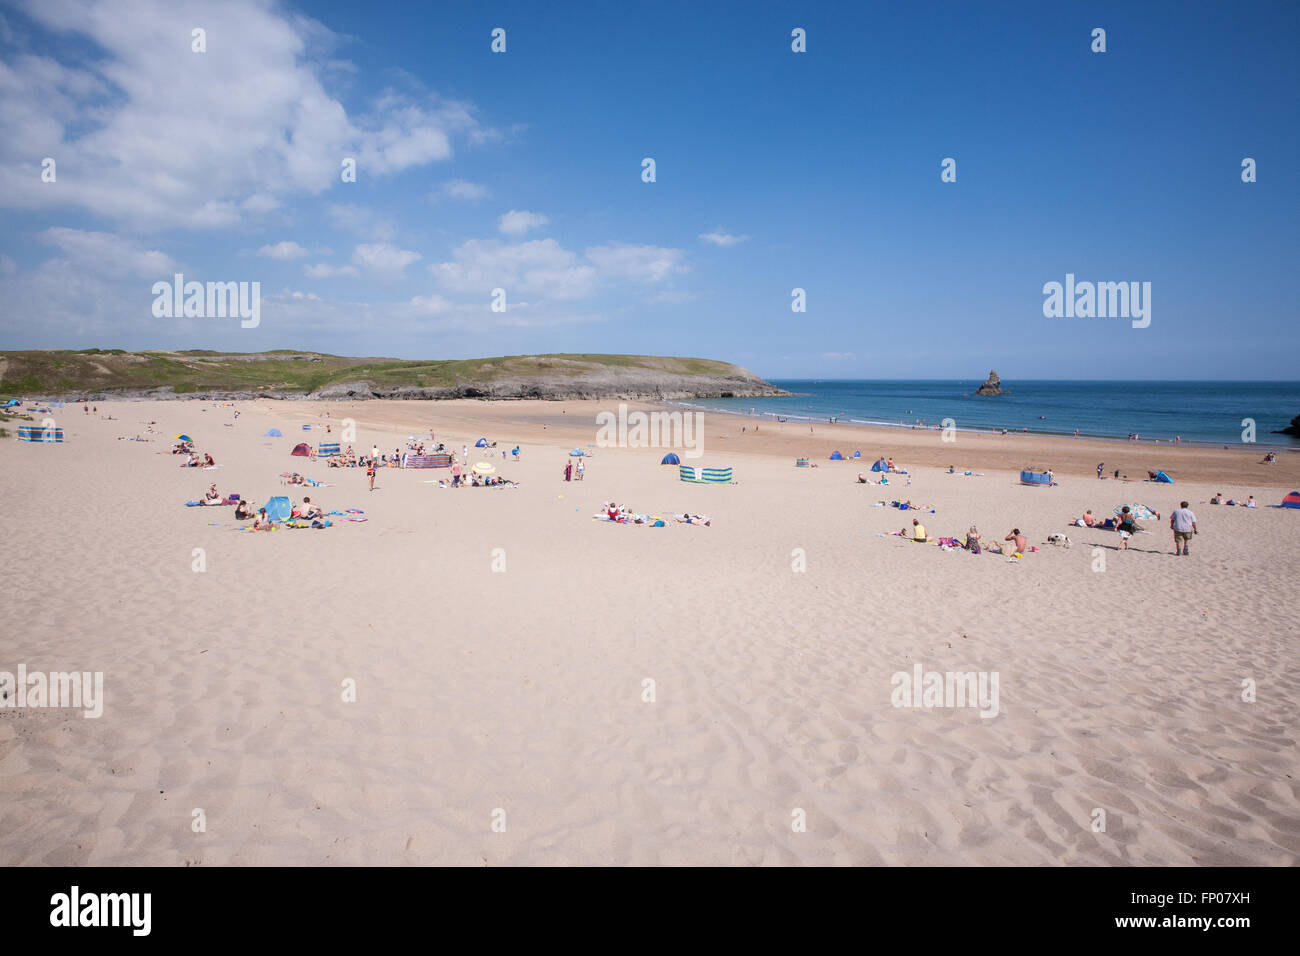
(720, 237)
(539, 267)
(643, 263)
(383, 258)
(544, 268)
(160, 136)
(838, 355)
(283, 250)
(518, 221)
(109, 255)
(461, 189)
(324, 271)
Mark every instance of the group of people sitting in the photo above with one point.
(194, 461)
(973, 543)
(1248, 503)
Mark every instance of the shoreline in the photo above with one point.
(564, 425)
(810, 420)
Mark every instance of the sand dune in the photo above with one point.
(480, 690)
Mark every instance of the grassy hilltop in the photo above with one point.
(284, 373)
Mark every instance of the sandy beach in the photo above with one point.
(533, 686)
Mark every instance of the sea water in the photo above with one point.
(1194, 412)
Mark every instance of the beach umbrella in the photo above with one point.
(183, 437)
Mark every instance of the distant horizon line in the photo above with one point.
(1004, 381)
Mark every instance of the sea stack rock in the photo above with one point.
(993, 386)
(1292, 429)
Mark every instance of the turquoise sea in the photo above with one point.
(1200, 412)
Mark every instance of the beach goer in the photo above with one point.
(582, 470)
(1088, 519)
(455, 474)
(1250, 502)
(918, 530)
(263, 523)
(213, 497)
(370, 473)
(243, 511)
(972, 540)
(1100, 466)
(1127, 527)
(568, 471)
(1183, 524)
(1021, 542)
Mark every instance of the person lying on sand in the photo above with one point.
(694, 519)
(1021, 542)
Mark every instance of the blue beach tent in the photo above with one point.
(671, 459)
(277, 509)
(836, 456)
(1162, 477)
(273, 433)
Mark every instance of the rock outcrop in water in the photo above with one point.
(992, 386)
(1292, 429)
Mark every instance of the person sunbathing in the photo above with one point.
(1088, 519)
(972, 540)
(207, 461)
(694, 519)
(213, 497)
(1021, 542)
(918, 531)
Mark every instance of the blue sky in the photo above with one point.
(775, 170)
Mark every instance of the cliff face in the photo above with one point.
(992, 386)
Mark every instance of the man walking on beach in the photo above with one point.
(1183, 523)
(1100, 466)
